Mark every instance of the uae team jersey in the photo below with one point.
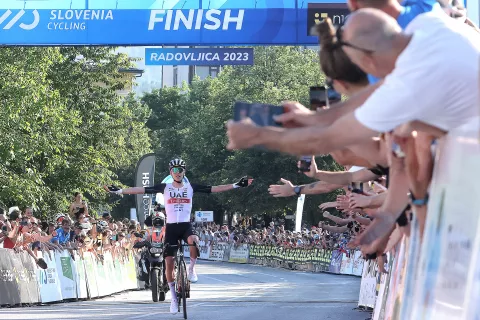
(178, 201)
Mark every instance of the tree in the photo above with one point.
(63, 127)
(190, 122)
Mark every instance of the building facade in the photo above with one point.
(155, 77)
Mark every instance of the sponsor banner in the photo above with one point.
(29, 276)
(109, 274)
(335, 262)
(63, 261)
(9, 290)
(203, 216)
(217, 251)
(144, 177)
(80, 277)
(90, 264)
(232, 22)
(198, 57)
(238, 254)
(347, 263)
(48, 279)
(447, 245)
(368, 285)
(204, 250)
(358, 263)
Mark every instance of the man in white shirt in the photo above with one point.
(431, 74)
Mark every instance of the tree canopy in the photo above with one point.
(63, 127)
(190, 122)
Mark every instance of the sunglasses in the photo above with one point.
(178, 170)
(342, 43)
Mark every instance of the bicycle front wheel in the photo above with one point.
(182, 275)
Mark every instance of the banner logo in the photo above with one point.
(13, 21)
(317, 12)
(192, 19)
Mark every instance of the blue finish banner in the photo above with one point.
(165, 22)
(198, 56)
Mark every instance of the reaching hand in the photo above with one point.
(326, 205)
(282, 190)
(359, 201)
(244, 182)
(296, 115)
(242, 134)
(113, 189)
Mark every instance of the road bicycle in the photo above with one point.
(182, 285)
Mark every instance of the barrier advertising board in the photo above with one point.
(203, 216)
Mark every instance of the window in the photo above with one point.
(175, 76)
(213, 71)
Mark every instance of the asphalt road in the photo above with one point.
(225, 292)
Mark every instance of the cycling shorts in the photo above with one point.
(175, 232)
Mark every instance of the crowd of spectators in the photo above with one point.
(392, 61)
(274, 234)
(77, 230)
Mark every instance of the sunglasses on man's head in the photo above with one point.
(177, 170)
(341, 43)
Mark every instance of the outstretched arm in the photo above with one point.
(222, 188)
(242, 183)
(159, 188)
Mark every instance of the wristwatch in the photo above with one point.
(297, 190)
(418, 202)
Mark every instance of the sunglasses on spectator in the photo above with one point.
(342, 43)
(178, 170)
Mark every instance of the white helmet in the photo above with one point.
(59, 217)
(176, 163)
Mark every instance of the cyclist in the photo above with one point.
(178, 206)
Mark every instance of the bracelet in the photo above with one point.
(235, 186)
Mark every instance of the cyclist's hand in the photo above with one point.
(243, 182)
(113, 189)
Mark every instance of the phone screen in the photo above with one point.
(261, 114)
(321, 97)
(305, 162)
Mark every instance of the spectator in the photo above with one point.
(62, 236)
(78, 205)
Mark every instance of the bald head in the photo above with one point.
(371, 29)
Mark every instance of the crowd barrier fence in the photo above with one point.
(68, 276)
(314, 260)
(436, 276)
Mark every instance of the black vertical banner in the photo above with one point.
(144, 177)
(317, 12)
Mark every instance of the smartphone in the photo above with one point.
(23, 223)
(305, 162)
(321, 97)
(261, 114)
